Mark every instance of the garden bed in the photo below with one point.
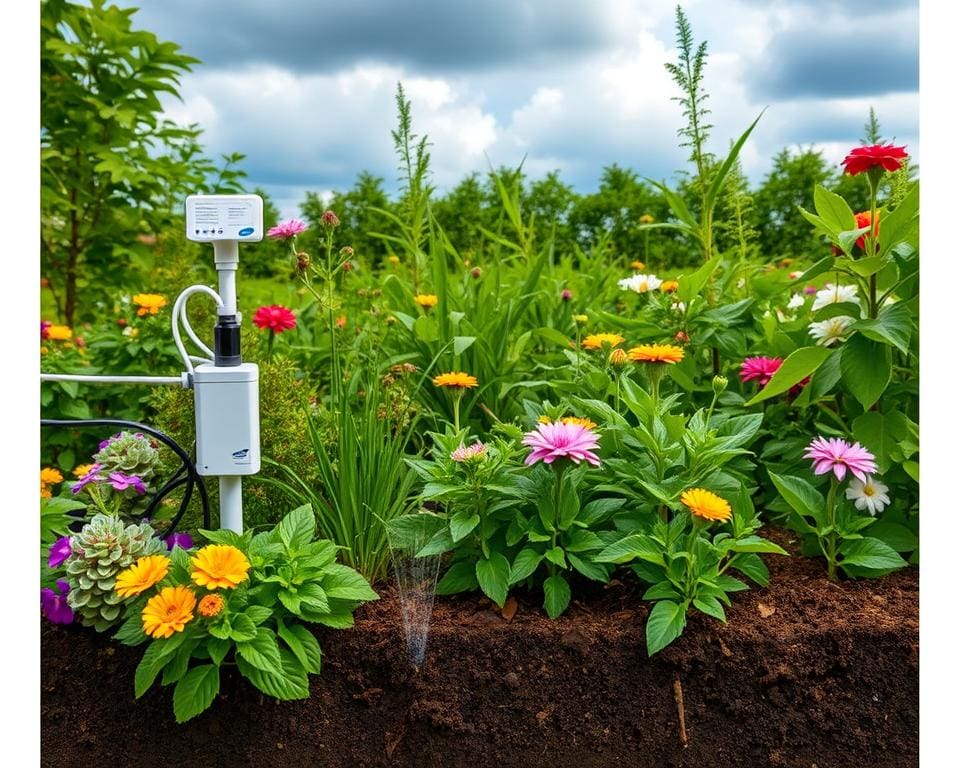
(806, 673)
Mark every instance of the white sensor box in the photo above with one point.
(224, 217)
(227, 403)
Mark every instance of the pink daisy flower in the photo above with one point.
(839, 455)
(286, 229)
(275, 317)
(759, 368)
(561, 440)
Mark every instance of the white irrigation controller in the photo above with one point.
(226, 390)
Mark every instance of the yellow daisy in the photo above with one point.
(705, 504)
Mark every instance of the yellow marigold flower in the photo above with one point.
(581, 420)
(168, 611)
(638, 265)
(81, 470)
(49, 476)
(149, 303)
(219, 566)
(647, 219)
(669, 286)
(580, 319)
(705, 504)
(59, 333)
(598, 340)
(456, 379)
(618, 357)
(656, 353)
(393, 259)
(425, 300)
(44, 350)
(142, 575)
(45, 492)
(211, 605)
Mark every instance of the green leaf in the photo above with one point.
(462, 523)
(556, 595)
(287, 683)
(297, 528)
(195, 692)
(897, 536)
(800, 364)
(664, 625)
(637, 545)
(751, 566)
(242, 628)
(716, 183)
(710, 606)
(461, 577)
(756, 544)
(730, 584)
(871, 554)
(462, 343)
(819, 268)
(589, 569)
(802, 497)
(662, 590)
(692, 285)
(258, 613)
(493, 576)
(556, 557)
(131, 631)
(524, 564)
(865, 369)
(158, 654)
(302, 644)
(226, 536)
(218, 650)
(893, 325)
(262, 652)
(344, 582)
(833, 210)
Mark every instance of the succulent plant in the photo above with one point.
(104, 547)
(133, 454)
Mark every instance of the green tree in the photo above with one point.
(111, 167)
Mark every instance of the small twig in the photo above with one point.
(681, 716)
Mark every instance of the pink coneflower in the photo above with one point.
(561, 440)
(465, 453)
(838, 455)
(759, 368)
(286, 229)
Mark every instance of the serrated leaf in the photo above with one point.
(218, 650)
(462, 524)
(664, 625)
(195, 692)
(556, 595)
(242, 628)
(262, 652)
(524, 564)
(297, 528)
(289, 682)
(344, 582)
(302, 644)
(258, 613)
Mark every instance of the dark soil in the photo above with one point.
(806, 673)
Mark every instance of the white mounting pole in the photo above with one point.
(226, 258)
(231, 503)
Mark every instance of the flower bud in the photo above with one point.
(566, 294)
(329, 219)
(580, 319)
(719, 384)
(618, 358)
(303, 261)
(681, 337)
(346, 251)
(475, 273)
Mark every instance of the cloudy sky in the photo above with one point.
(305, 88)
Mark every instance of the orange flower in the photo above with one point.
(638, 265)
(705, 504)
(669, 286)
(863, 220)
(456, 379)
(219, 566)
(168, 611)
(211, 605)
(656, 353)
(59, 333)
(142, 575)
(618, 358)
(149, 303)
(425, 300)
(598, 340)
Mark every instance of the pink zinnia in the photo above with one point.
(759, 368)
(286, 229)
(839, 455)
(561, 440)
(278, 319)
(465, 453)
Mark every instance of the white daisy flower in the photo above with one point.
(870, 495)
(796, 301)
(835, 294)
(679, 307)
(639, 283)
(826, 332)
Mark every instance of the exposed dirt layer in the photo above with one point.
(806, 673)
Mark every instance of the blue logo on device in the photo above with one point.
(245, 231)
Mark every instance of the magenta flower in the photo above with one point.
(60, 550)
(759, 368)
(44, 333)
(465, 453)
(54, 606)
(561, 440)
(182, 540)
(286, 229)
(275, 317)
(121, 482)
(839, 455)
(91, 476)
(566, 294)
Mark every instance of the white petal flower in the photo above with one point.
(679, 307)
(826, 332)
(796, 301)
(835, 294)
(870, 495)
(639, 283)
(795, 274)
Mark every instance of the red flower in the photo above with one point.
(861, 159)
(863, 220)
(278, 319)
(759, 368)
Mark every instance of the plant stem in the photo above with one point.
(832, 536)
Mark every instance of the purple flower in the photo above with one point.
(44, 324)
(182, 540)
(54, 606)
(121, 482)
(286, 229)
(91, 476)
(561, 440)
(60, 550)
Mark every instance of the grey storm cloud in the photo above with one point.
(855, 56)
(324, 35)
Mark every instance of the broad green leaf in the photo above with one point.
(462, 523)
(556, 595)
(493, 576)
(692, 285)
(218, 650)
(801, 496)
(710, 606)
(821, 267)
(195, 692)
(756, 544)
(258, 613)
(344, 582)
(262, 652)
(461, 577)
(870, 553)
(298, 527)
(226, 536)
(287, 683)
(751, 566)
(833, 210)
(425, 329)
(795, 368)
(900, 224)
(730, 584)
(893, 325)
(524, 564)
(242, 628)
(865, 369)
(158, 654)
(302, 644)
(589, 569)
(873, 430)
(462, 343)
(556, 557)
(662, 590)
(897, 536)
(637, 545)
(664, 625)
